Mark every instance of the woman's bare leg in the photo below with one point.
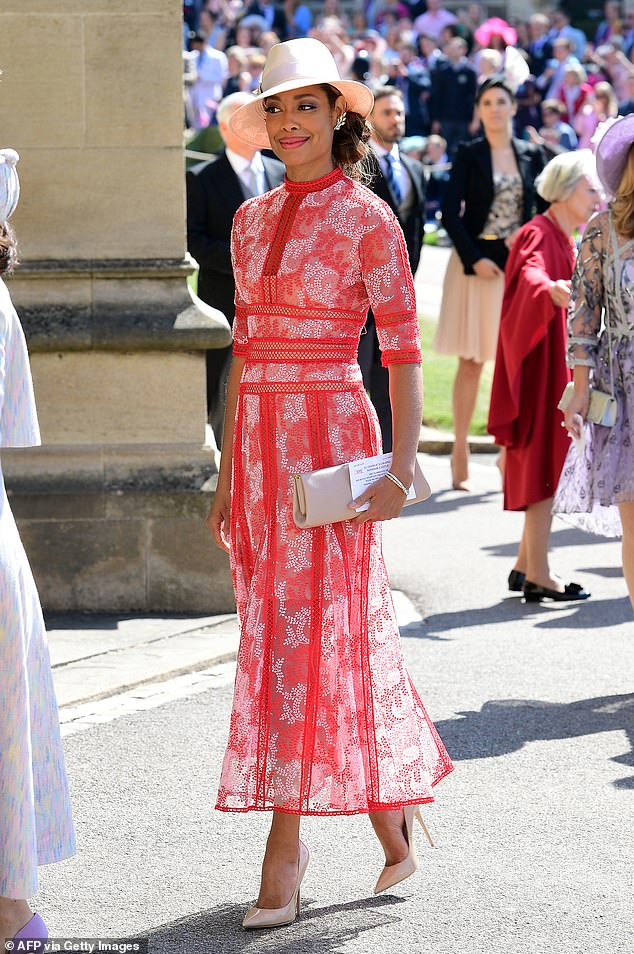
(279, 868)
(13, 916)
(627, 519)
(465, 393)
(522, 559)
(388, 827)
(537, 524)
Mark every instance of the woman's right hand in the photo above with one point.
(218, 518)
(576, 412)
(485, 268)
(560, 292)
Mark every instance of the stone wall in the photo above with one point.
(111, 509)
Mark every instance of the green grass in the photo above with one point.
(439, 372)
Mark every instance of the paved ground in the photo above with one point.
(535, 828)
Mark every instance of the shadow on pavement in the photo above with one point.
(445, 501)
(593, 614)
(420, 630)
(506, 725)
(560, 538)
(605, 571)
(108, 621)
(320, 930)
(507, 610)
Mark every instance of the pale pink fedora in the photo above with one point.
(612, 150)
(293, 65)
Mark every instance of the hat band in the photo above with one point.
(284, 74)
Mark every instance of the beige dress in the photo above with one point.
(470, 311)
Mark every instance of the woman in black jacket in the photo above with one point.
(491, 193)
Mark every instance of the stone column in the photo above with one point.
(111, 508)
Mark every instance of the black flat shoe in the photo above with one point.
(534, 593)
(516, 581)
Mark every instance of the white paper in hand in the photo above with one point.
(364, 473)
(580, 442)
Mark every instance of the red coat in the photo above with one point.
(530, 368)
(585, 91)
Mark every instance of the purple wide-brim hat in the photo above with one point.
(612, 150)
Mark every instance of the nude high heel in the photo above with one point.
(277, 917)
(392, 874)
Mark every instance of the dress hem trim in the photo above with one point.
(377, 807)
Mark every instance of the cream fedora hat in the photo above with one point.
(292, 65)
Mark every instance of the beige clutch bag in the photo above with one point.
(323, 496)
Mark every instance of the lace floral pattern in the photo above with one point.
(325, 719)
(505, 214)
(592, 484)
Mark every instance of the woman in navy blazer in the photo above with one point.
(490, 195)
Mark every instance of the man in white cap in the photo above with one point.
(215, 191)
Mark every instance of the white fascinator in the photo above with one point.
(9, 183)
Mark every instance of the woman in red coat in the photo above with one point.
(530, 368)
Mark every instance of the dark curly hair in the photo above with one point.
(350, 148)
(8, 249)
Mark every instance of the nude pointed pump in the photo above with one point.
(392, 874)
(277, 917)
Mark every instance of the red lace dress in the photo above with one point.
(325, 718)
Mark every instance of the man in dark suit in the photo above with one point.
(399, 181)
(453, 92)
(215, 190)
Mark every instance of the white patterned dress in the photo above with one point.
(36, 825)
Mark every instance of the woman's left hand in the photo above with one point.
(576, 412)
(386, 502)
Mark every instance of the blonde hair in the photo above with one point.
(492, 58)
(623, 204)
(606, 91)
(559, 177)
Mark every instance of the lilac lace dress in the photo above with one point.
(594, 483)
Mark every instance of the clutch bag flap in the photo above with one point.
(323, 496)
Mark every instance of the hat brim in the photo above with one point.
(612, 152)
(248, 121)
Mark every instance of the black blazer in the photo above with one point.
(471, 183)
(214, 195)
(414, 223)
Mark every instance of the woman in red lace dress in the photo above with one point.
(325, 718)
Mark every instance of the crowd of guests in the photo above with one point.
(487, 105)
(570, 81)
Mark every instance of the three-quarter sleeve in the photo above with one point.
(240, 327)
(389, 284)
(586, 298)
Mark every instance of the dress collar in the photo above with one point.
(315, 185)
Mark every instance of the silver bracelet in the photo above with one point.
(395, 480)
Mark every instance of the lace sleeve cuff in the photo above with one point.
(400, 357)
(399, 338)
(581, 351)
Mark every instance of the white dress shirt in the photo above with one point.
(242, 168)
